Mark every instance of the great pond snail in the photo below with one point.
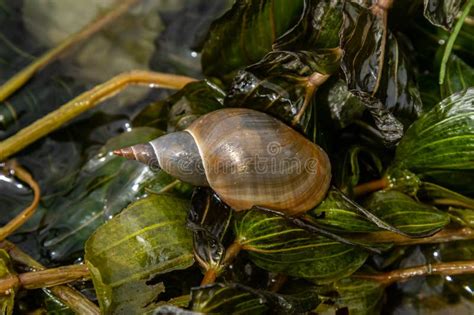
(247, 157)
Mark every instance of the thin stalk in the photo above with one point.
(444, 269)
(19, 79)
(445, 235)
(369, 187)
(314, 82)
(452, 39)
(87, 101)
(69, 296)
(230, 253)
(23, 216)
(45, 278)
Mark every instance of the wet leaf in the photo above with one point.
(235, 298)
(35, 100)
(442, 13)
(439, 195)
(350, 168)
(375, 63)
(274, 244)
(105, 185)
(283, 83)
(348, 108)
(209, 220)
(438, 147)
(318, 27)
(459, 76)
(180, 109)
(359, 296)
(124, 255)
(185, 27)
(246, 33)
(7, 300)
(405, 213)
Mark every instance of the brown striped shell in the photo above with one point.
(252, 159)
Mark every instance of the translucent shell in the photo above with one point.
(252, 159)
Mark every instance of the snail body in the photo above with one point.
(247, 157)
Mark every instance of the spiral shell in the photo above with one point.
(247, 157)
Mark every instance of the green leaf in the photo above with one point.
(105, 185)
(7, 299)
(438, 147)
(209, 220)
(317, 28)
(124, 255)
(439, 195)
(281, 83)
(235, 298)
(373, 67)
(274, 244)
(348, 172)
(36, 99)
(336, 214)
(362, 297)
(351, 108)
(405, 213)
(246, 33)
(179, 110)
(442, 13)
(459, 76)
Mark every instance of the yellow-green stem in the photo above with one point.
(69, 296)
(84, 102)
(19, 79)
(445, 269)
(23, 216)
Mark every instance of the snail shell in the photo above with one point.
(247, 157)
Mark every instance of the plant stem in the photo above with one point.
(84, 102)
(446, 269)
(69, 296)
(45, 278)
(452, 39)
(230, 253)
(19, 79)
(446, 235)
(314, 82)
(369, 187)
(23, 216)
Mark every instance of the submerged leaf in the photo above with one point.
(124, 255)
(7, 299)
(438, 147)
(362, 297)
(209, 220)
(349, 170)
(246, 33)
(375, 63)
(438, 195)
(442, 13)
(459, 76)
(405, 213)
(283, 83)
(317, 28)
(276, 245)
(179, 110)
(234, 298)
(105, 185)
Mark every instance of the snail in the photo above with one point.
(250, 159)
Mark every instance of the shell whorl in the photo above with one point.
(176, 153)
(252, 159)
(247, 157)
